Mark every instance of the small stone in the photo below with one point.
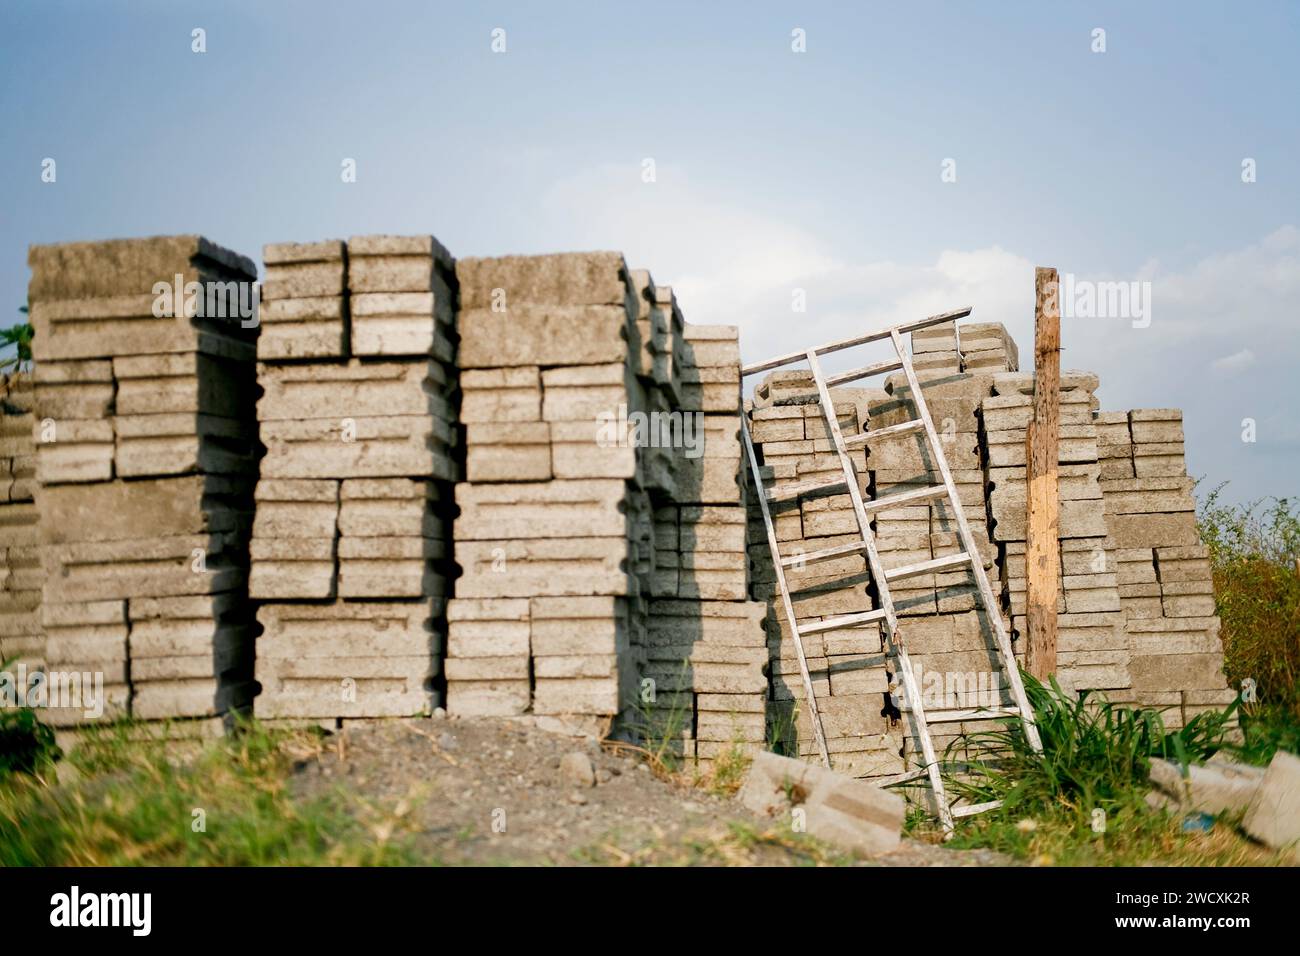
(603, 776)
(439, 713)
(691, 807)
(579, 798)
(644, 768)
(447, 741)
(577, 769)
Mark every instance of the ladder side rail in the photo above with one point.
(991, 609)
(886, 599)
(815, 714)
(792, 357)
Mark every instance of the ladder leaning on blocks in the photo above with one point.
(884, 614)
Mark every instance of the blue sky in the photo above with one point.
(775, 170)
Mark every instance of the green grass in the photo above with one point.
(1080, 800)
(1135, 835)
(128, 803)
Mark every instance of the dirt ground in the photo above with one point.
(496, 791)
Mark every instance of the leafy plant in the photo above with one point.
(20, 337)
(26, 744)
(1254, 550)
(1096, 754)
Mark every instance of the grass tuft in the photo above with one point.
(227, 804)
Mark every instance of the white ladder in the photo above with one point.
(968, 557)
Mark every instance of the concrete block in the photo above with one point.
(1274, 815)
(542, 335)
(1214, 788)
(499, 698)
(848, 813)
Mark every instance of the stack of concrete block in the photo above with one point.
(1114, 445)
(1157, 443)
(1165, 582)
(934, 349)
(1091, 647)
(544, 617)
(146, 462)
(987, 347)
(709, 641)
(304, 302)
(601, 521)
(785, 387)
(21, 637)
(359, 417)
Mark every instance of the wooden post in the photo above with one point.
(1042, 504)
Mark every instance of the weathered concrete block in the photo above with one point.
(353, 390)
(348, 629)
(840, 810)
(543, 335)
(117, 511)
(498, 698)
(345, 447)
(1274, 816)
(545, 567)
(508, 452)
(555, 509)
(392, 507)
(501, 395)
(403, 323)
(570, 279)
(1214, 788)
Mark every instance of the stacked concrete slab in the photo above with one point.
(358, 413)
(706, 638)
(146, 461)
(987, 346)
(1165, 584)
(1092, 651)
(602, 557)
(21, 636)
(544, 617)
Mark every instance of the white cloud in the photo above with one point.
(731, 264)
(1234, 363)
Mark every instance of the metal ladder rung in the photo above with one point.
(903, 497)
(904, 428)
(970, 713)
(847, 620)
(787, 492)
(974, 808)
(801, 355)
(934, 564)
(866, 371)
(898, 778)
(839, 551)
